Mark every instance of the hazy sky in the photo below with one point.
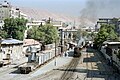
(85, 8)
(70, 7)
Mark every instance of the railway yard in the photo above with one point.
(90, 66)
(59, 40)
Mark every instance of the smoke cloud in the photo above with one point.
(100, 8)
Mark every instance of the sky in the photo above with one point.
(68, 7)
(85, 9)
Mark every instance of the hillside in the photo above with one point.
(39, 14)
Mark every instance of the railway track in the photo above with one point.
(69, 71)
(107, 71)
(88, 66)
(70, 68)
(103, 71)
(92, 72)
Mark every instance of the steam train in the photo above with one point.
(77, 50)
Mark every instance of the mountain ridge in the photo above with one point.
(39, 14)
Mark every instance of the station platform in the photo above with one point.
(54, 64)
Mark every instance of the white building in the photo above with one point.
(35, 23)
(4, 11)
(15, 12)
(57, 24)
(8, 11)
(11, 49)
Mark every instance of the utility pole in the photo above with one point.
(61, 41)
(0, 42)
(55, 51)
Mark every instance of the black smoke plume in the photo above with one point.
(100, 8)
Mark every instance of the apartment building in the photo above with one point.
(8, 11)
(5, 9)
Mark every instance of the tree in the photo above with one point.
(107, 32)
(15, 27)
(3, 34)
(46, 33)
(101, 37)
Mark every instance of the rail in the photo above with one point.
(70, 69)
(90, 64)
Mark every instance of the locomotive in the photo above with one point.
(79, 47)
(77, 52)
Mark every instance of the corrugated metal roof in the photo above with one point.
(11, 41)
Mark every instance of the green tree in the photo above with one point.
(15, 27)
(101, 37)
(107, 32)
(3, 34)
(46, 33)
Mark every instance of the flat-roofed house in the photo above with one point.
(11, 49)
